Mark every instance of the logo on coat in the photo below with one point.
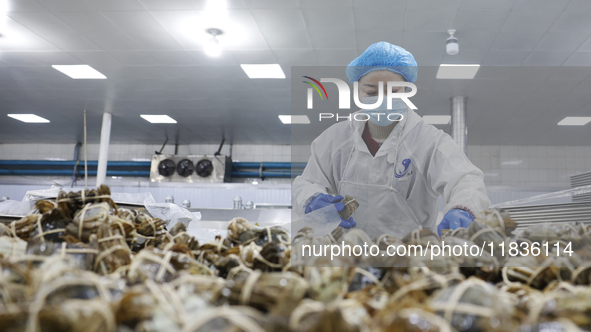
(398, 174)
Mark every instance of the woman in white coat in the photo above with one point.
(396, 169)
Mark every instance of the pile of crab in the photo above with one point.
(82, 264)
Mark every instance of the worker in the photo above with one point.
(395, 166)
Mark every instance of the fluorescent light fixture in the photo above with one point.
(158, 118)
(512, 162)
(575, 121)
(213, 48)
(457, 72)
(263, 71)
(80, 71)
(29, 118)
(294, 119)
(437, 119)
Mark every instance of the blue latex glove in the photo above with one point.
(455, 218)
(324, 200)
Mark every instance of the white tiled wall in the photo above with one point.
(531, 166)
(523, 166)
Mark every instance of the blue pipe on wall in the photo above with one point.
(269, 165)
(139, 168)
(71, 163)
(69, 172)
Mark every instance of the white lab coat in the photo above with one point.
(399, 187)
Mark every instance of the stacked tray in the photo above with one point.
(580, 180)
(527, 215)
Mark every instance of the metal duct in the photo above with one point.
(459, 129)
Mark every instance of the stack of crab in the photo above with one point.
(82, 264)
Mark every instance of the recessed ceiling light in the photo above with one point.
(158, 118)
(294, 119)
(437, 119)
(575, 121)
(458, 72)
(80, 71)
(263, 71)
(29, 118)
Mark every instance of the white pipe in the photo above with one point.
(101, 172)
(459, 128)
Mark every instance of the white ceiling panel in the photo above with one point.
(489, 20)
(535, 54)
(326, 3)
(257, 4)
(87, 22)
(168, 4)
(579, 5)
(433, 4)
(135, 58)
(288, 39)
(487, 4)
(428, 57)
(516, 41)
(557, 41)
(335, 57)
(379, 19)
(546, 58)
(154, 41)
(36, 58)
(367, 37)
(65, 5)
(72, 42)
(116, 5)
(24, 6)
(322, 39)
(580, 58)
(531, 20)
(253, 56)
(174, 58)
(541, 4)
(323, 19)
(134, 21)
(573, 21)
(15, 37)
(279, 19)
(394, 4)
(505, 58)
(202, 59)
(435, 20)
(299, 57)
(111, 42)
(42, 23)
(424, 40)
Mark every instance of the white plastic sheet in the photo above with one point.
(322, 221)
(24, 207)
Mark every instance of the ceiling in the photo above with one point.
(535, 57)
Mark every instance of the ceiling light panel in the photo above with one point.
(457, 72)
(263, 71)
(80, 71)
(294, 119)
(437, 119)
(158, 118)
(575, 121)
(28, 118)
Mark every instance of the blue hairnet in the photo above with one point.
(383, 56)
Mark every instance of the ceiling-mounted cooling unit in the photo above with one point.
(192, 168)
